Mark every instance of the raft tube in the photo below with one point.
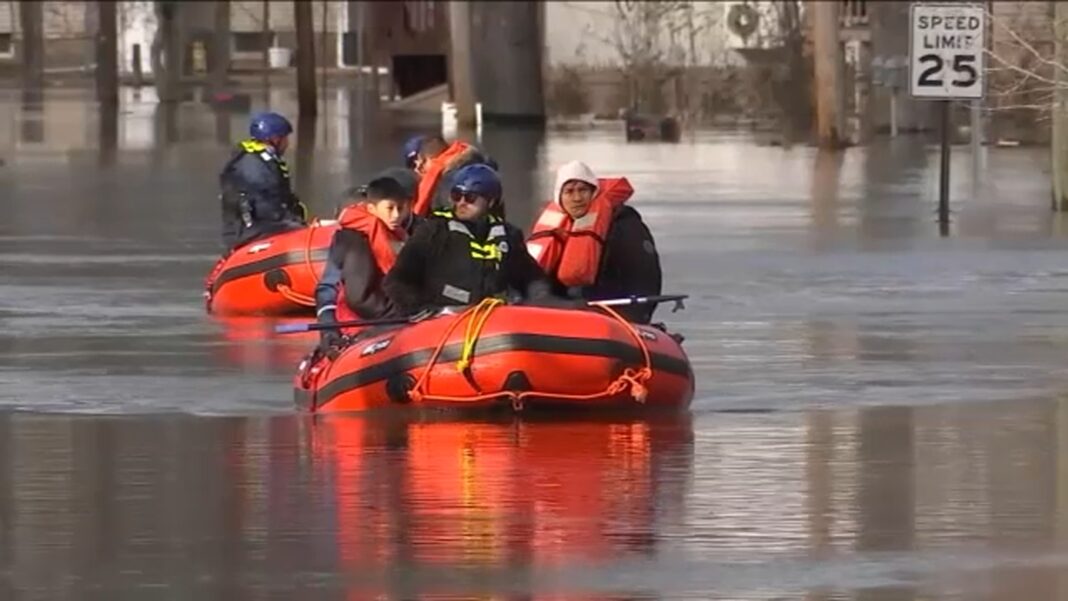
(521, 357)
(275, 275)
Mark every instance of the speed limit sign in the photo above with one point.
(946, 51)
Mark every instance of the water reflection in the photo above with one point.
(894, 503)
(251, 344)
(108, 142)
(406, 509)
(165, 124)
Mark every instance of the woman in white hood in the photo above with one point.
(593, 244)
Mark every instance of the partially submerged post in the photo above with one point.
(827, 50)
(31, 21)
(107, 78)
(306, 92)
(461, 75)
(107, 53)
(167, 61)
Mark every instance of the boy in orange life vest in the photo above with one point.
(435, 162)
(361, 253)
(593, 244)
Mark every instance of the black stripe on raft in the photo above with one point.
(558, 345)
(265, 265)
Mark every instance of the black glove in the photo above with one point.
(330, 339)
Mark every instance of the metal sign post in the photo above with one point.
(946, 43)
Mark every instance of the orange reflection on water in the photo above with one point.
(494, 494)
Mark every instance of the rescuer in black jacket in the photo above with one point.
(464, 255)
(257, 199)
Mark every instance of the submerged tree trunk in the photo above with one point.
(107, 53)
(31, 20)
(306, 92)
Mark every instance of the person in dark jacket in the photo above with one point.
(594, 245)
(373, 228)
(465, 254)
(436, 161)
(256, 197)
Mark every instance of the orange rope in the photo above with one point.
(634, 379)
(293, 296)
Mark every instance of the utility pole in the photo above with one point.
(107, 53)
(827, 50)
(1059, 146)
(462, 83)
(31, 20)
(306, 93)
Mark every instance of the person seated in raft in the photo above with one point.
(595, 246)
(256, 196)
(467, 253)
(435, 161)
(361, 253)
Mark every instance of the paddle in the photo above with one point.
(294, 328)
(643, 300)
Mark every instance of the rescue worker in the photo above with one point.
(436, 161)
(361, 253)
(256, 196)
(595, 246)
(465, 254)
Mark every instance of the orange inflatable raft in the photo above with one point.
(275, 275)
(490, 355)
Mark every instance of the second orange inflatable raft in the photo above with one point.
(274, 275)
(495, 355)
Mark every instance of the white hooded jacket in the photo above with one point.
(574, 170)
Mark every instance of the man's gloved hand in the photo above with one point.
(331, 339)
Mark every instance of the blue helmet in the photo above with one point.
(477, 179)
(265, 126)
(411, 149)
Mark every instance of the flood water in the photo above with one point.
(879, 408)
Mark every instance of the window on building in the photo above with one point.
(7, 48)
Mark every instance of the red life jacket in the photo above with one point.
(385, 243)
(571, 249)
(428, 182)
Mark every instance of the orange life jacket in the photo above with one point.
(385, 243)
(428, 183)
(570, 249)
